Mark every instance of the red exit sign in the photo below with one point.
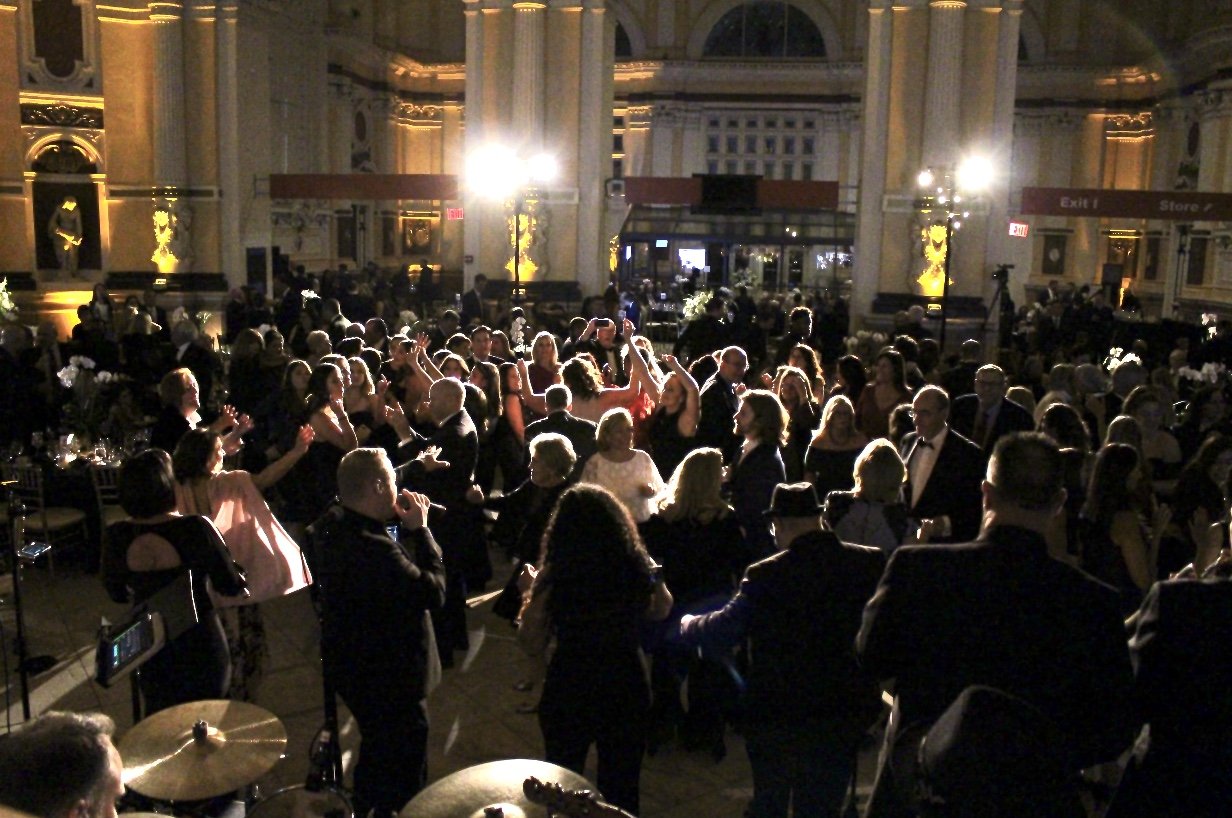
(453, 214)
(1019, 229)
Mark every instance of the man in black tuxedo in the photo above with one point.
(580, 433)
(808, 702)
(999, 612)
(376, 590)
(1182, 677)
(719, 404)
(987, 416)
(601, 339)
(472, 302)
(944, 470)
(481, 348)
(443, 467)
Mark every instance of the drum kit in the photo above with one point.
(192, 753)
(195, 752)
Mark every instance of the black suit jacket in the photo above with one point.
(752, 483)
(580, 432)
(1182, 678)
(960, 379)
(801, 611)
(459, 443)
(472, 308)
(716, 425)
(620, 377)
(953, 488)
(376, 637)
(1010, 418)
(1001, 612)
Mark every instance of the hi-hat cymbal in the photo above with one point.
(468, 792)
(201, 749)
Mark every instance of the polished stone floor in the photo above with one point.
(474, 712)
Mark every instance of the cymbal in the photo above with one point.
(201, 749)
(468, 792)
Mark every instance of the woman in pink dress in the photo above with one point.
(271, 559)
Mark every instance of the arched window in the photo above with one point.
(624, 48)
(765, 30)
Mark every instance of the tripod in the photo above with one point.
(325, 754)
(1005, 305)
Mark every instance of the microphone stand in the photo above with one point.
(26, 664)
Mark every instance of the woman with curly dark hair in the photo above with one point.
(849, 378)
(878, 399)
(594, 588)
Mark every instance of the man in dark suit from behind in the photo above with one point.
(808, 702)
(957, 379)
(580, 433)
(944, 470)
(999, 612)
(443, 467)
(1181, 681)
(704, 334)
(987, 415)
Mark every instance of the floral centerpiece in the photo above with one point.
(865, 345)
(84, 412)
(1211, 373)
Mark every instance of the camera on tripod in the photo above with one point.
(1002, 272)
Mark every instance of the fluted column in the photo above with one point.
(594, 137)
(941, 99)
(1002, 146)
(472, 112)
(230, 250)
(170, 154)
(528, 24)
(866, 277)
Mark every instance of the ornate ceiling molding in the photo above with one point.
(61, 115)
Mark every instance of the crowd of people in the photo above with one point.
(823, 515)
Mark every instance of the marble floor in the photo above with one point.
(474, 712)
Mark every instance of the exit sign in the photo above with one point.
(1019, 229)
(453, 214)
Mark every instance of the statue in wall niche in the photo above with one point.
(65, 231)
(172, 236)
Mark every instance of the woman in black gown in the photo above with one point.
(594, 588)
(673, 424)
(695, 537)
(155, 549)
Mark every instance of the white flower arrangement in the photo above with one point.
(1118, 356)
(308, 295)
(1211, 373)
(865, 344)
(69, 374)
(694, 306)
(8, 309)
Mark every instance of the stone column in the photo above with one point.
(473, 226)
(1002, 147)
(941, 97)
(594, 139)
(170, 155)
(866, 275)
(231, 249)
(528, 24)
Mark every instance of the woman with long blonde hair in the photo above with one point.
(695, 537)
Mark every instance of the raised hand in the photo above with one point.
(304, 438)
